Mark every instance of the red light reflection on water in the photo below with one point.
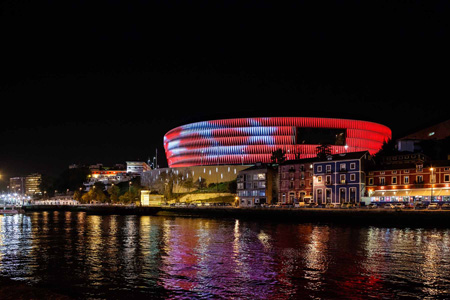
(222, 258)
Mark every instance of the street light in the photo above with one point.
(431, 181)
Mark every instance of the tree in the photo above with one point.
(323, 151)
(94, 194)
(388, 148)
(188, 183)
(77, 195)
(200, 183)
(132, 194)
(114, 193)
(278, 156)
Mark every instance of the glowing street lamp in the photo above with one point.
(431, 181)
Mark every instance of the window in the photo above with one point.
(394, 180)
(342, 195)
(328, 179)
(291, 197)
(353, 166)
(328, 195)
(370, 181)
(382, 181)
(342, 178)
(342, 167)
(352, 177)
(319, 179)
(328, 168)
(406, 179)
(353, 195)
(319, 196)
(419, 179)
(446, 177)
(319, 169)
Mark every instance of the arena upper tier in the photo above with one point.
(252, 140)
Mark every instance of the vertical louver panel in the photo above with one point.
(254, 139)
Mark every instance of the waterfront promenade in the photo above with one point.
(363, 216)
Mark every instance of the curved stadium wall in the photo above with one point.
(252, 140)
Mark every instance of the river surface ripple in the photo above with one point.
(159, 257)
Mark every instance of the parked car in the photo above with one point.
(399, 205)
(445, 206)
(433, 206)
(389, 206)
(420, 205)
(346, 205)
(409, 206)
(372, 205)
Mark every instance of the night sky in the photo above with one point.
(103, 81)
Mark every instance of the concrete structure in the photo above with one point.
(137, 167)
(341, 178)
(148, 199)
(185, 179)
(32, 183)
(253, 140)
(412, 142)
(107, 177)
(296, 181)
(413, 182)
(257, 185)
(17, 185)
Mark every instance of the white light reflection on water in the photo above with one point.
(15, 247)
(105, 257)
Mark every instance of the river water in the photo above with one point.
(160, 257)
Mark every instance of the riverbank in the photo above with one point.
(360, 216)
(379, 217)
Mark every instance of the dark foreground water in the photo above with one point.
(156, 257)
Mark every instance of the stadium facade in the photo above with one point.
(248, 141)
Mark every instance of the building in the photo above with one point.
(185, 178)
(137, 167)
(296, 181)
(403, 158)
(411, 182)
(248, 141)
(32, 183)
(257, 185)
(435, 140)
(340, 178)
(109, 176)
(148, 199)
(17, 185)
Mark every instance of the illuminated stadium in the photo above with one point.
(252, 140)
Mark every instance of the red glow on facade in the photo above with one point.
(252, 140)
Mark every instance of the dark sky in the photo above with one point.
(102, 81)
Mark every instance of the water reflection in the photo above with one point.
(114, 257)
